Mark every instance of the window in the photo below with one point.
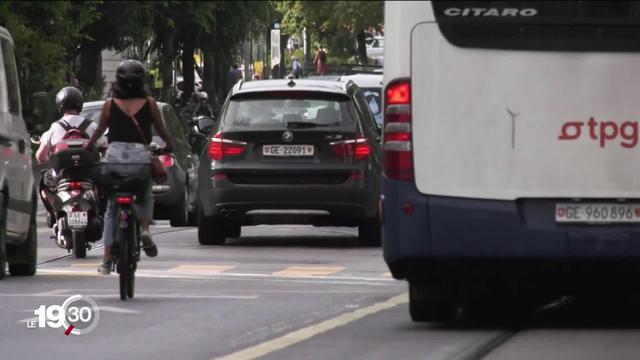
(172, 124)
(13, 88)
(281, 111)
(541, 25)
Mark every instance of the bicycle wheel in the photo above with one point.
(123, 258)
(131, 255)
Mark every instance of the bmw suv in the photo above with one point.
(291, 152)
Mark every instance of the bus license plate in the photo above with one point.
(597, 213)
(77, 218)
(287, 150)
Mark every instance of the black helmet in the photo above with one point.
(69, 98)
(130, 73)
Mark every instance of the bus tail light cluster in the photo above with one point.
(397, 146)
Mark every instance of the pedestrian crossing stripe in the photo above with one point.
(201, 269)
(295, 271)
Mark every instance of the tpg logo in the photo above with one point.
(602, 131)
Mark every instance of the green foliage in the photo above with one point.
(332, 24)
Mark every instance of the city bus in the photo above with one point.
(511, 153)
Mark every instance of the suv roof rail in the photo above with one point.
(240, 82)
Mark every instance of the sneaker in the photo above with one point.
(105, 268)
(148, 245)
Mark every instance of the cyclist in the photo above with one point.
(130, 104)
(69, 102)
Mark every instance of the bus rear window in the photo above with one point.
(541, 25)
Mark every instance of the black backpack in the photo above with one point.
(72, 132)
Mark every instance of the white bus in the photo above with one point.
(511, 152)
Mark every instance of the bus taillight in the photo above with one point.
(398, 151)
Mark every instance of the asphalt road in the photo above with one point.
(280, 292)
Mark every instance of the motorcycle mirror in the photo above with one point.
(35, 139)
(205, 124)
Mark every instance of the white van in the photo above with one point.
(18, 237)
(511, 150)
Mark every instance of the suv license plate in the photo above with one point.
(287, 150)
(597, 213)
(77, 218)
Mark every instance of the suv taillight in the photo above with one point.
(219, 147)
(397, 147)
(358, 148)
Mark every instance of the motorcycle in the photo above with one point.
(77, 206)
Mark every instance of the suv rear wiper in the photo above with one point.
(303, 124)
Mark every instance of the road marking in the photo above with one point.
(308, 332)
(386, 275)
(160, 274)
(306, 271)
(118, 310)
(151, 296)
(200, 269)
(86, 265)
(52, 292)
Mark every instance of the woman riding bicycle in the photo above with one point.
(130, 104)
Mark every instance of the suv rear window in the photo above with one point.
(290, 110)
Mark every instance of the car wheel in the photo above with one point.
(27, 253)
(233, 230)
(180, 211)
(426, 303)
(370, 232)
(210, 230)
(3, 236)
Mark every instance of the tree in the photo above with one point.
(337, 24)
(46, 34)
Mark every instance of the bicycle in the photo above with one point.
(125, 182)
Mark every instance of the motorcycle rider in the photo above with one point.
(130, 112)
(203, 108)
(69, 103)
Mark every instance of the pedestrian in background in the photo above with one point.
(320, 61)
(235, 74)
(296, 68)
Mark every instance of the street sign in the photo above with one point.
(275, 47)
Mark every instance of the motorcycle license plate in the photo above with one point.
(77, 218)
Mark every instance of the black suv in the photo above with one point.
(291, 152)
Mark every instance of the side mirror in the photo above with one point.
(205, 124)
(197, 142)
(35, 139)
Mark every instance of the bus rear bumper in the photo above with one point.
(501, 236)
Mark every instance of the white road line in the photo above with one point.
(308, 332)
(162, 274)
(52, 292)
(118, 310)
(143, 295)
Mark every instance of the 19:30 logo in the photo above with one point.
(78, 315)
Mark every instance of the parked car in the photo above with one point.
(18, 203)
(176, 199)
(371, 85)
(291, 152)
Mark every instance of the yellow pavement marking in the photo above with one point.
(309, 271)
(70, 271)
(303, 334)
(200, 269)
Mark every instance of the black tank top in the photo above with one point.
(122, 128)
